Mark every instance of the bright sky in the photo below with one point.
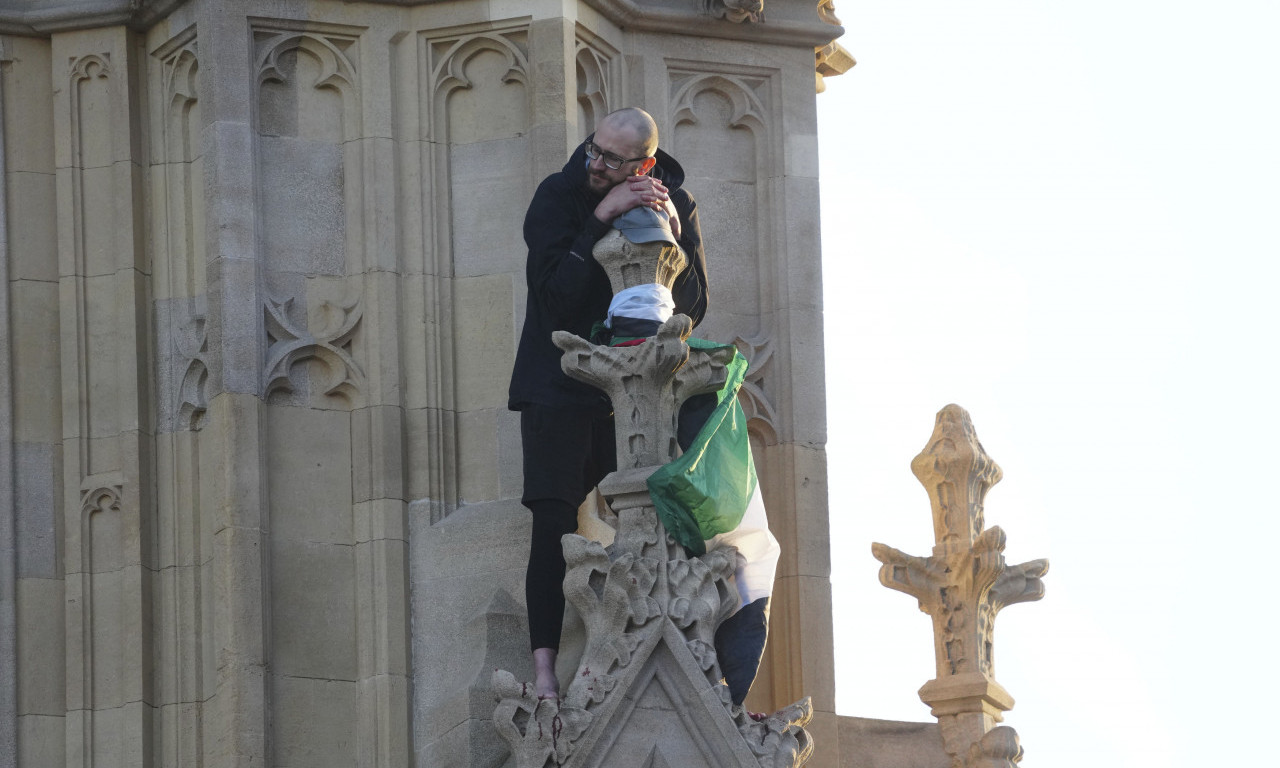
(1063, 217)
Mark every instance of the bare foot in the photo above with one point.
(545, 684)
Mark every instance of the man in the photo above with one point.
(566, 426)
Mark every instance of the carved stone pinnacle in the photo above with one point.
(962, 586)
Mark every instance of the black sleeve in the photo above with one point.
(690, 288)
(560, 239)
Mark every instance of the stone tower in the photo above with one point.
(264, 279)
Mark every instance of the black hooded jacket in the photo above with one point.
(569, 290)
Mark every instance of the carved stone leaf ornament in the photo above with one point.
(329, 343)
(191, 341)
(756, 403)
(963, 585)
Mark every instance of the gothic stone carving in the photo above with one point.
(650, 612)
(327, 338)
(963, 585)
(736, 10)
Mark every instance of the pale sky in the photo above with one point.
(1063, 217)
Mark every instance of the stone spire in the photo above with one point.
(648, 688)
(963, 585)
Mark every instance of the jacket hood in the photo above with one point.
(666, 170)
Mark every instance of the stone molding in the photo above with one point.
(712, 18)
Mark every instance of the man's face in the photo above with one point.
(621, 142)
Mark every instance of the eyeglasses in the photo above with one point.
(611, 161)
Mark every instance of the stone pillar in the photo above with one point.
(8, 489)
(963, 585)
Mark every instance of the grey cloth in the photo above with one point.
(645, 225)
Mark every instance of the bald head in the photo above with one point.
(637, 125)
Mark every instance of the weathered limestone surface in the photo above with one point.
(263, 283)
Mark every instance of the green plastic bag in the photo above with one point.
(705, 491)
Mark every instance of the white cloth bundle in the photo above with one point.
(650, 301)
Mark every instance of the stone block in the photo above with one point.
(381, 341)
(870, 743)
(313, 615)
(310, 468)
(483, 341)
(489, 201)
(801, 642)
(477, 456)
(180, 607)
(235, 327)
(801, 286)
(37, 398)
(38, 472)
(382, 608)
(179, 739)
(413, 351)
(430, 463)
(236, 625)
(28, 106)
(41, 659)
(303, 211)
(459, 569)
(229, 189)
(233, 481)
(108, 633)
(106, 729)
(42, 740)
(377, 453)
(314, 726)
(31, 208)
(510, 455)
(380, 520)
(384, 715)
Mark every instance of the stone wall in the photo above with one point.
(264, 281)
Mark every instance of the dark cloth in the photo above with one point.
(740, 645)
(544, 577)
(569, 291)
(567, 451)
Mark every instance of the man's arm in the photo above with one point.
(690, 290)
(560, 242)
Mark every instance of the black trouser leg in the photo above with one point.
(544, 578)
(739, 646)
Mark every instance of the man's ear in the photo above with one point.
(646, 166)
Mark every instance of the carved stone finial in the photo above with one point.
(647, 384)
(963, 585)
(630, 264)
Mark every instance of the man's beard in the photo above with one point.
(599, 183)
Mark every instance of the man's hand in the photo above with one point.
(673, 218)
(634, 192)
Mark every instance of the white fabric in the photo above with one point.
(642, 302)
(758, 551)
